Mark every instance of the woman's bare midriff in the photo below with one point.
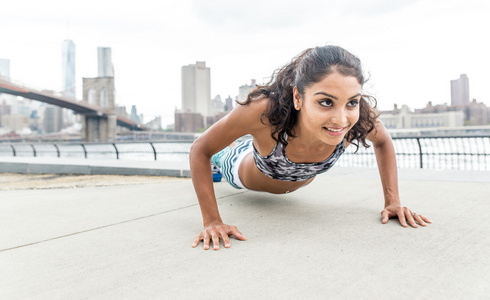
(253, 179)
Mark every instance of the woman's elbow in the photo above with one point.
(194, 149)
(197, 149)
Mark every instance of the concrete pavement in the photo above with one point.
(324, 241)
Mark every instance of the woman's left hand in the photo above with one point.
(404, 215)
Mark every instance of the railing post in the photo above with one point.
(33, 150)
(117, 152)
(420, 154)
(154, 150)
(464, 153)
(57, 150)
(84, 150)
(485, 153)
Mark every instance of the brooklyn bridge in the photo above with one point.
(98, 109)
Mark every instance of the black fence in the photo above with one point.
(461, 153)
(161, 151)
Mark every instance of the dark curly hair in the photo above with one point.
(310, 67)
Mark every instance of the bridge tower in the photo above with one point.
(99, 127)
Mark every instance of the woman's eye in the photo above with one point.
(326, 103)
(353, 103)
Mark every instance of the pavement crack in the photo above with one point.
(98, 228)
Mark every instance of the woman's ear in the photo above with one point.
(297, 98)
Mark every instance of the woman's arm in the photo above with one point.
(386, 160)
(241, 121)
(214, 228)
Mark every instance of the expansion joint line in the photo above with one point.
(110, 225)
(97, 228)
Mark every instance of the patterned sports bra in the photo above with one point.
(278, 166)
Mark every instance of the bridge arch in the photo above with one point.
(91, 95)
(104, 102)
(99, 128)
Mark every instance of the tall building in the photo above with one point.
(68, 79)
(4, 68)
(218, 105)
(244, 90)
(104, 62)
(134, 114)
(53, 119)
(196, 89)
(460, 91)
(228, 104)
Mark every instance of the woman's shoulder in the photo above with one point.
(249, 118)
(242, 120)
(253, 110)
(259, 103)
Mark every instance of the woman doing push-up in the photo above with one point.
(301, 122)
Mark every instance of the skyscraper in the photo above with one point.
(68, 79)
(244, 90)
(4, 68)
(196, 89)
(104, 62)
(228, 104)
(53, 119)
(134, 114)
(460, 91)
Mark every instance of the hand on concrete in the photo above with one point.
(216, 231)
(404, 215)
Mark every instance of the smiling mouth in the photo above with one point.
(334, 129)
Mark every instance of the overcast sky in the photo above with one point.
(411, 48)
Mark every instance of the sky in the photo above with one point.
(410, 49)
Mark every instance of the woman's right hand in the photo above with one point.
(215, 232)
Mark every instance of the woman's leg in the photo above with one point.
(230, 159)
(216, 159)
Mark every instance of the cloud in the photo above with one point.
(374, 8)
(257, 15)
(251, 16)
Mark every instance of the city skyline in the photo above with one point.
(411, 50)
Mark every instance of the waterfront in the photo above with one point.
(445, 153)
(440, 153)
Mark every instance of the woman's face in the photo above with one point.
(329, 108)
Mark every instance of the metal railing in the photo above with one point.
(456, 152)
(461, 153)
(161, 151)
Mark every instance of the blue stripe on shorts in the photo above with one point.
(226, 158)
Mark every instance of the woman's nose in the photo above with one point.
(339, 117)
